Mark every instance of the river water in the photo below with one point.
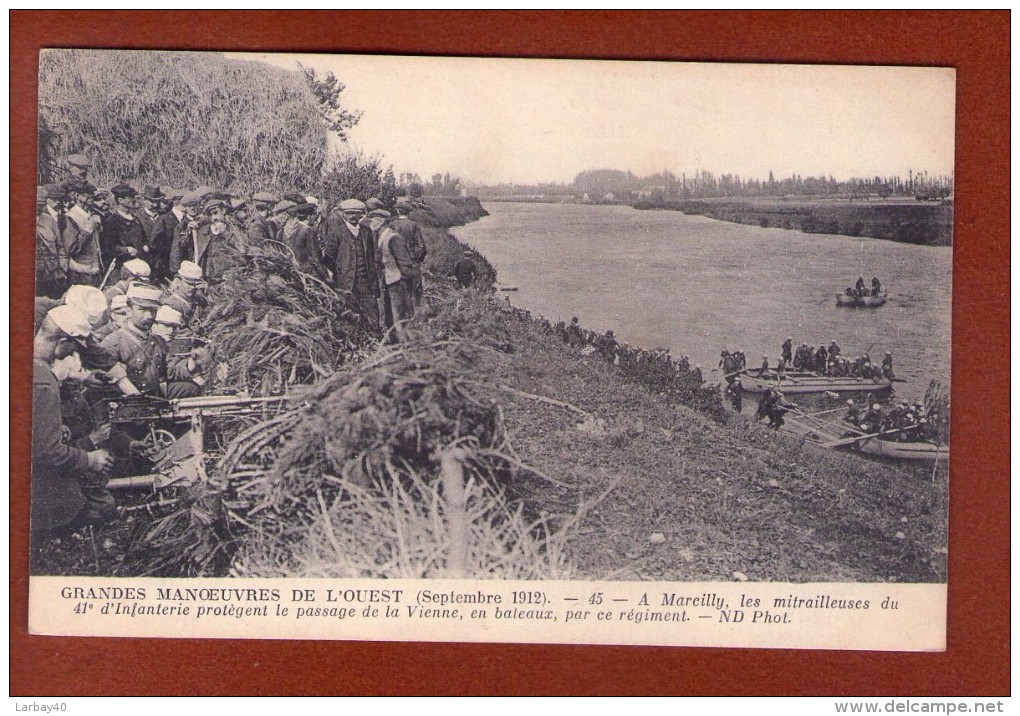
(697, 286)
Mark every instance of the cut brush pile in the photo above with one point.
(276, 326)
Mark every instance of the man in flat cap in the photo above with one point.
(50, 248)
(212, 241)
(349, 248)
(82, 235)
(142, 354)
(123, 237)
(398, 271)
(58, 469)
(259, 229)
(298, 234)
(78, 167)
(415, 240)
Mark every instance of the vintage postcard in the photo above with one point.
(492, 350)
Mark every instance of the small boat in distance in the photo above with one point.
(813, 383)
(844, 299)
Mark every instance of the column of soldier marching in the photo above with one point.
(121, 276)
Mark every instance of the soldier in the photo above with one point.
(609, 346)
(735, 392)
(142, 355)
(349, 249)
(185, 374)
(50, 247)
(779, 408)
(58, 469)
(764, 371)
(123, 237)
(821, 360)
(876, 286)
(787, 356)
(133, 271)
(119, 313)
(186, 292)
(398, 271)
(465, 270)
(887, 370)
(853, 413)
(696, 374)
(728, 363)
(415, 240)
(574, 335)
(82, 237)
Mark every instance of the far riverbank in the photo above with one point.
(905, 221)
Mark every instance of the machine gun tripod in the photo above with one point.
(175, 440)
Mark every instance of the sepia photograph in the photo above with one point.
(363, 317)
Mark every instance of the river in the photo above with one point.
(697, 286)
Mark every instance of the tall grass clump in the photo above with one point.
(179, 119)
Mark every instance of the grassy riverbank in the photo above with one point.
(906, 220)
(635, 481)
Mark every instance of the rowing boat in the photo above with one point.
(861, 301)
(812, 383)
(904, 451)
(824, 434)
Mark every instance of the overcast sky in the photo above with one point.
(527, 121)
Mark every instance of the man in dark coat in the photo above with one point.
(58, 468)
(415, 241)
(465, 270)
(165, 230)
(149, 209)
(348, 246)
(298, 234)
(123, 237)
(50, 247)
(259, 229)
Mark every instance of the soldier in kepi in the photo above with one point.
(787, 356)
(887, 371)
(60, 471)
(142, 354)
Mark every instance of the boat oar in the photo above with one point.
(850, 441)
(815, 421)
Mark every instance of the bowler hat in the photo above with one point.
(78, 160)
(153, 193)
(122, 191)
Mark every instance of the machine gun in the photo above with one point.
(175, 440)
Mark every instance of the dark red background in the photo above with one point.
(977, 659)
